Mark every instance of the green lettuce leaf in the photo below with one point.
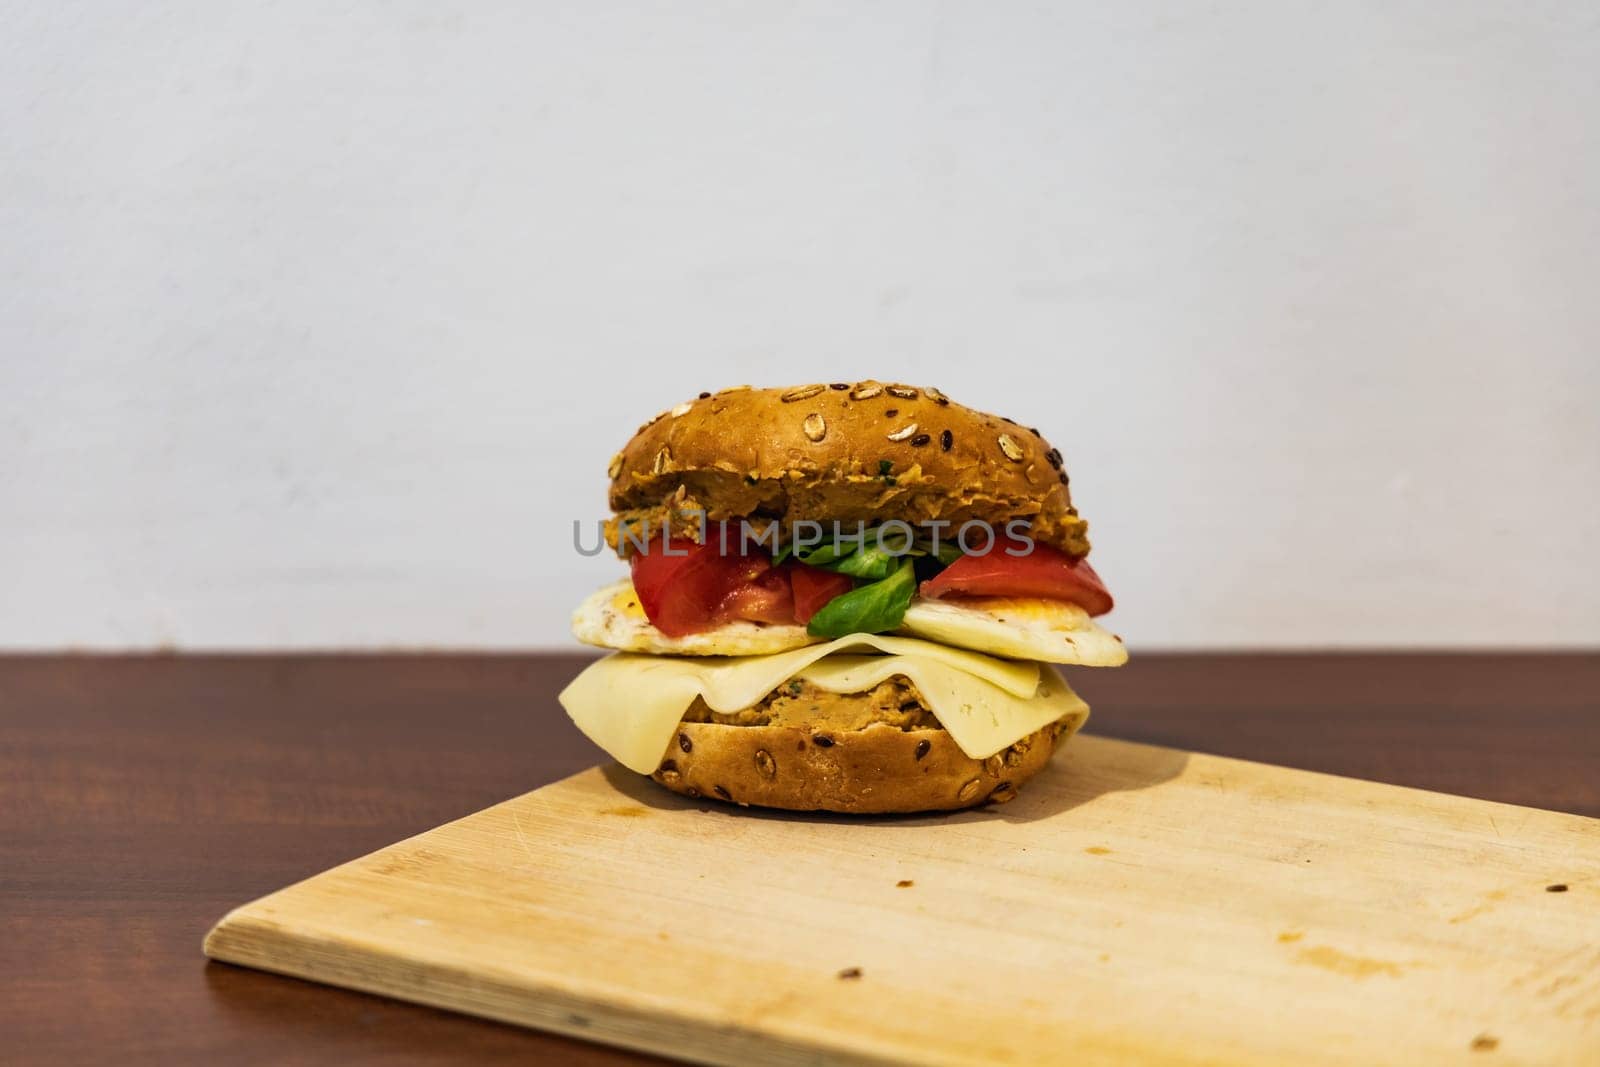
(868, 609)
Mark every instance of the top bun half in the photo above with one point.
(850, 452)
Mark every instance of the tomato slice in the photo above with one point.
(768, 598)
(698, 587)
(1045, 572)
(813, 588)
(684, 592)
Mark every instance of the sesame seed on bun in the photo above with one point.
(850, 452)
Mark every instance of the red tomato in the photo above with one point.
(814, 587)
(683, 594)
(1045, 572)
(697, 587)
(767, 599)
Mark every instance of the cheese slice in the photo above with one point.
(630, 704)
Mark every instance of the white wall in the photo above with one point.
(318, 322)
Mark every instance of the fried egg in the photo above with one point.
(1018, 628)
(613, 618)
(1051, 631)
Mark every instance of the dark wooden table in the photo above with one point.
(141, 797)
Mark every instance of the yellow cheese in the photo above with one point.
(631, 704)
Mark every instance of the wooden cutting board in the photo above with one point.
(1133, 905)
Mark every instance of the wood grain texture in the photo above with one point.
(1134, 905)
(143, 796)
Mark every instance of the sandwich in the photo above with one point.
(847, 597)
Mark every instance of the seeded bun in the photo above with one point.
(876, 770)
(849, 451)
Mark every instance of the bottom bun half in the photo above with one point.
(878, 769)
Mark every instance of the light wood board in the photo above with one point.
(1133, 905)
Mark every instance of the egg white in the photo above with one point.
(613, 618)
(1018, 628)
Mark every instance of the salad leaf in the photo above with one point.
(832, 554)
(873, 564)
(947, 553)
(825, 555)
(868, 609)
